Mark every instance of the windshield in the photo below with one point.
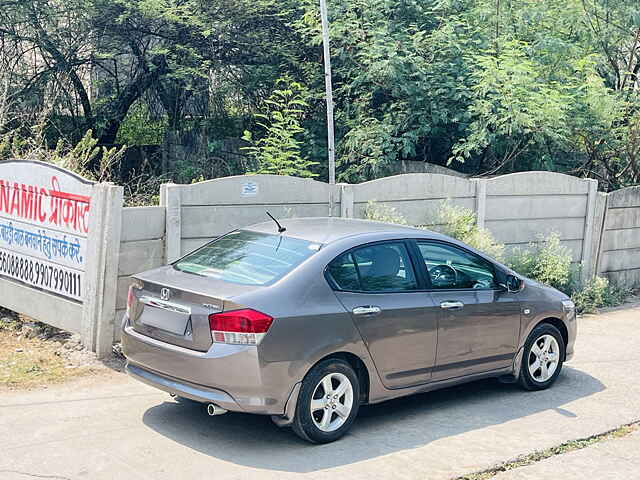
(249, 258)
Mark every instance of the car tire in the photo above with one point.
(542, 358)
(323, 416)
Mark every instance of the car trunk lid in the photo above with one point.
(174, 306)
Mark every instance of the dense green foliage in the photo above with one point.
(483, 86)
(139, 127)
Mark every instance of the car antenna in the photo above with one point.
(280, 227)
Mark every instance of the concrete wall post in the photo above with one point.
(171, 199)
(346, 200)
(599, 225)
(481, 201)
(101, 275)
(589, 230)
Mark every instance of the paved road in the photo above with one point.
(115, 428)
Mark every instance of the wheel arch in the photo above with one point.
(560, 325)
(358, 366)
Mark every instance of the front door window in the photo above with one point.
(450, 267)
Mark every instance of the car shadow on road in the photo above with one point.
(406, 423)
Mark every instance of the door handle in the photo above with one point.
(368, 310)
(451, 305)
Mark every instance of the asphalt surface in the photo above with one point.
(115, 428)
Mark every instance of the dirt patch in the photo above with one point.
(35, 355)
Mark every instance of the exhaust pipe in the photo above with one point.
(213, 410)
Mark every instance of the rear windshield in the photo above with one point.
(250, 258)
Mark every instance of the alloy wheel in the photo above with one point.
(331, 402)
(544, 358)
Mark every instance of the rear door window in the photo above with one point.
(383, 267)
(249, 258)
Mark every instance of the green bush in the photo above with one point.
(598, 293)
(461, 224)
(547, 261)
(383, 213)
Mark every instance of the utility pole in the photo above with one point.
(329, 89)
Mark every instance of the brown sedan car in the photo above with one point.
(308, 321)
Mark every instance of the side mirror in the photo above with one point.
(514, 284)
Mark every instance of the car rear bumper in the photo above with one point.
(183, 389)
(231, 376)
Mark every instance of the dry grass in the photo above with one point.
(29, 363)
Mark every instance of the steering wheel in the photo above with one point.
(443, 276)
(482, 284)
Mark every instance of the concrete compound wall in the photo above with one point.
(518, 209)
(417, 196)
(619, 256)
(141, 248)
(200, 212)
(601, 230)
(59, 238)
(525, 207)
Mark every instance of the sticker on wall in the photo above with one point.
(249, 189)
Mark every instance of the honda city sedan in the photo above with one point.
(309, 320)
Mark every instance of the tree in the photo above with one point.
(398, 77)
(484, 86)
(515, 108)
(278, 150)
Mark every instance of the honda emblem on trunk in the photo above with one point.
(165, 294)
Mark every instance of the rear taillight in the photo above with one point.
(130, 299)
(242, 327)
(131, 296)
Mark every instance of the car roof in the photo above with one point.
(326, 230)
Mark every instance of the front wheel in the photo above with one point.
(328, 402)
(542, 358)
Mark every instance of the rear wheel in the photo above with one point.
(543, 357)
(328, 402)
